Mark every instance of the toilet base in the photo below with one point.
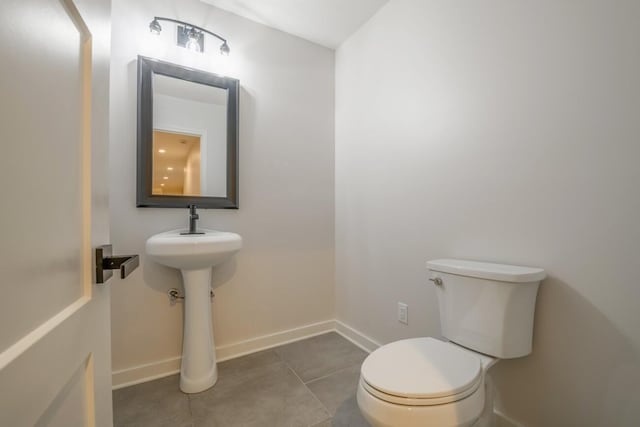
(488, 417)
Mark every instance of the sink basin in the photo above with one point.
(195, 255)
(193, 251)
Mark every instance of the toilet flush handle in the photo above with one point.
(436, 280)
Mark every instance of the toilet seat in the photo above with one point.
(421, 372)
(409, 401)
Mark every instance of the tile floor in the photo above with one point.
(309, 383)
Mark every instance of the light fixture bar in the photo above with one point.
(155, 27)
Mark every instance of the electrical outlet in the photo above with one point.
(403, 313)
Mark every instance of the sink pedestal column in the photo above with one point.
(198, 371)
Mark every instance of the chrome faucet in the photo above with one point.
(193, 217)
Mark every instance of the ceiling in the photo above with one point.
(325, 22)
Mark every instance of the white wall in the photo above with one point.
(284, 275)
(192, 172)
(509, 132)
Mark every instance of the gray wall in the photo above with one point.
(501, 131)
(284, 276)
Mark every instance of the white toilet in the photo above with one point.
(486, 311)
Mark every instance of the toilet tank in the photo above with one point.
(487, 307)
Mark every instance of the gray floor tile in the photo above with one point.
(337, 392)
(246, 369)
(162, 423)
(257, 390)
(155, 403)
(348, 415)
(320, 356)
(333, 390)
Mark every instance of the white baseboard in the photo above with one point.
(147, 372)
(503, 421)
(356, 337)
(163, 368)
(242, 348)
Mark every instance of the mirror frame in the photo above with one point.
(145, 198)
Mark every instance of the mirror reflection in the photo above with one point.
(176, 164)
(189, 138)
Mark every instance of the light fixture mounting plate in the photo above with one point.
(182, 37)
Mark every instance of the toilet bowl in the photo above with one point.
(486, 313)
(423, 381)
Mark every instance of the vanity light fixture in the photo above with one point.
(162, 151)
(189, 35)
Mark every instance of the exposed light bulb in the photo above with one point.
(193, 46)
(194, 40)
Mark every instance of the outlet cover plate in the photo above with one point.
(403, 313)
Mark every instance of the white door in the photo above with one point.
(54, 320)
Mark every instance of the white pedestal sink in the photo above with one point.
(195, 255)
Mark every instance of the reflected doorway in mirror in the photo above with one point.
(176, 164)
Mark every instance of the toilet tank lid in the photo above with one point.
(485, 270)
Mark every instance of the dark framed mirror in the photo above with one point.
(187, 137)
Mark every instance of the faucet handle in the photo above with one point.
(192, 212)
